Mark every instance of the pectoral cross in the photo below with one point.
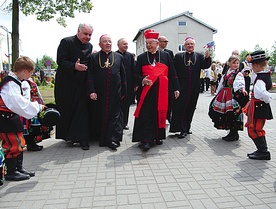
(189, 62)
(107, 64)
(153, 63)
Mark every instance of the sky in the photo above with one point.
(240, 24)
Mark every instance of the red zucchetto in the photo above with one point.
(151, 34)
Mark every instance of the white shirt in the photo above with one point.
(238, 83)
(259, 89)
(11, 95)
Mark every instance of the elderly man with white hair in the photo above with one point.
(188, 65)
(153, 72)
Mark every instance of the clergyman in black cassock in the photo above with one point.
(154, 70)
(71, 97)
(129, 68)
(107, 87)
(188, 66)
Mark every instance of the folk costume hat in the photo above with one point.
(151, 34)
(50, 116)
(258, 56)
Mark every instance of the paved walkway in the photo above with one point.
(200, 171)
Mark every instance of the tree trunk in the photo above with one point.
(15, 31)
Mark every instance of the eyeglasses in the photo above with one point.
(164, 41)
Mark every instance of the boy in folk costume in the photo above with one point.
(258, 109)
(12, 106)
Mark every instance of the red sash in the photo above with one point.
(158, 71)
(3, 107)
(249, 111)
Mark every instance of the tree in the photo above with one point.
(44, 10)
(272, 60)
(243, 54)
(45, 58)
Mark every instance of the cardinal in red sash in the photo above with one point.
(153, 72)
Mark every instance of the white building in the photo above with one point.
(176, 29)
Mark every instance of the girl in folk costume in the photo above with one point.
(258, 109)
(225, 109)
(213, 79)
(33, 131)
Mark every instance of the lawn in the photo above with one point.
(47, 93)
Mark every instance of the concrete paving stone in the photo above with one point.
(200, 171)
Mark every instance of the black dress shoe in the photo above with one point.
(24, 171)
(118, 143)
(159, 142)
(113, 146)
(84, 146)
(126, 128)
(34, 147)
(102, 144)
(260, 155)
(232, 138)
(182, 135)
(146, 146)
(16, 176)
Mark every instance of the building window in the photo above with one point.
(181, 48)
(182, 23)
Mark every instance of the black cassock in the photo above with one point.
(71, 90)
(188, 67)
(107, 78)
(146, 125)
(129, 68)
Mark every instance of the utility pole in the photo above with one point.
(160, 10)
(8, 44)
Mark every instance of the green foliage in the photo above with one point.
(46, 10)
(271, 53)
(42, 62)
(243, 54)
(272, 60)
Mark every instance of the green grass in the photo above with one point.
(47, 93)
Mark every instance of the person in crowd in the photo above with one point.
(107, 86)
(34, 132)
(207, 78)
(153, 72)
(202, 80)
(247, 73)
(213, 78)
(226, 108)
(129, 68)
(258, 109)
(162, 44)
(219, 70)
(73, 55)
(12, 106)
(41, 75)
(188, 65)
